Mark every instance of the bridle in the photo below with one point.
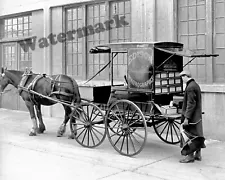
(5, 91)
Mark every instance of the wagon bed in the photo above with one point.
(123, 111)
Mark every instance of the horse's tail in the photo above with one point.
(76, 92)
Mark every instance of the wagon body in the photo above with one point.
(149, 70)
(152, 81)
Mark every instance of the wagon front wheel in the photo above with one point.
(87, 125)
(167, 129)
(126, 127)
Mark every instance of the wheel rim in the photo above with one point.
(168, 129)
(87, 125)
(126, 127)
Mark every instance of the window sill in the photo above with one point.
(214, 88)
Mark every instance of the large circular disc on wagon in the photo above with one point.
(168, 128)
(87, 125)
(126, 127)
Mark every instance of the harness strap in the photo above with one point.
(34, 82)
(25, 77)
(60, 93)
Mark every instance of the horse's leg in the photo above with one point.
(41, 127)
(30, 106)
(72, 131)
(62, 128)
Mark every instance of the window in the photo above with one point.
(120, 8)
(88, 22)
(74, 57)
(192, 33)
(17, 27)
(122, 34)
(95, 15)
(9, 56)
(25, 58)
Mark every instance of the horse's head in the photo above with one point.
(4, 80)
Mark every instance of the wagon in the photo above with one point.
(150, 96)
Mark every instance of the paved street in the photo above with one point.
(49, 157)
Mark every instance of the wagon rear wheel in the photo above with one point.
(126, 127)
(87, 125)
(167, 129)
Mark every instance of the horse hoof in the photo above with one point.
(32, 134)
(40, 131)
(71, 136)
(59, 135)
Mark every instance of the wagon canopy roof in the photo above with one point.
(124, 46)
(185, 53)
(168, 47)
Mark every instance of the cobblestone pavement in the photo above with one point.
(49, 157)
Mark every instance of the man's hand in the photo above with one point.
(185, 123)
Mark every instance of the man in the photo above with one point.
(192, 139)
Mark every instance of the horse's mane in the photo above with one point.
(16, 72)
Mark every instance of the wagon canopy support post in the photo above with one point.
(189, 62)
(165, 61)
(113, 56)
(101, 69)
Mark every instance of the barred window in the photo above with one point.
(95, 16)
(25, 58)
(9, 56)
(17, 27)
(121, 34)
(89, 27)
(74, 58)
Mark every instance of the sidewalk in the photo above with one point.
(47, 157)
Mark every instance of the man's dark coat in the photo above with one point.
(192, 110)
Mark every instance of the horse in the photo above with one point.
(60, 87)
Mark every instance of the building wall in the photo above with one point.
(151, 20)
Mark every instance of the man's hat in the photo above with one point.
(185, 72)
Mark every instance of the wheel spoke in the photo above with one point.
(127, 145)
(96, 115)
(121, 117)
(116, 116)
(95, 135)
(81, 133)
(88, 136)
(138, 135)
(88, 113)
(82, 120)
(176, 132)
(171, 132)
(79, 124)
(132, 143)
(167, 130)
(176, 125)
(97, 131)
(84, 136)
(92, 137)
(118, 139)
(92, 113)
(164, 129)
(128, 109)
(118, 132)
(80, 128)
(135, 138)
(164, 122)
(99, 127)
(133, 115)
(121, 147)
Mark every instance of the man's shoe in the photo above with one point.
(198, 158)
(187, 160)
(197, 155)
